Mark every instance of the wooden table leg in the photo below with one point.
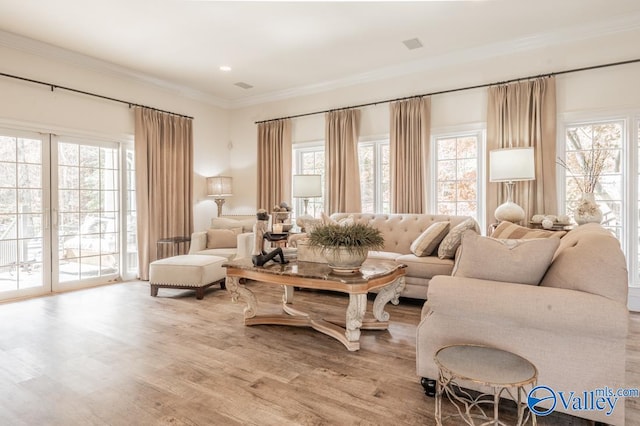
(390, 293)
(239, 291)
(355, 314)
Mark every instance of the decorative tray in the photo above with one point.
(555, 227)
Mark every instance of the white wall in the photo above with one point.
(225, 141)
(32, 106)
(609, 88)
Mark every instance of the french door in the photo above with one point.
(60, 215)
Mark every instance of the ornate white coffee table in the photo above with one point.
(387, 276)
(501, 371)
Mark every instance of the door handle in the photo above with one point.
(54, 218)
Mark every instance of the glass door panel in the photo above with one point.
(23, 204)
(87, 234)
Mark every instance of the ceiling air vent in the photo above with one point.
(243, 85)
(413, 43)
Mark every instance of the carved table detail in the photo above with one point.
(385, 276)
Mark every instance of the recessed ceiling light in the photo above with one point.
(225, 68)
(243, 85)
(413, 43)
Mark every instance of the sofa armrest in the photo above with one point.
(293, 239)
(198, 242)
(527, 306)
(245, 245)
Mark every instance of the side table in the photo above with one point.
(172, 245)
(502, 371)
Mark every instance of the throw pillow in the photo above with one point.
(511, 230)
(327, 220)
(451, 242)
(507, 260)
(223, 238)
(427, 242)
(227, 223)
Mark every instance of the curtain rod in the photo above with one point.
(478, 86)
(69, 89)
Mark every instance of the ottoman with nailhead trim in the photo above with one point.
(190, 271)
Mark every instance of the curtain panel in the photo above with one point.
(342, 170)
(274, 163)
(523, 114)
(164, 180)
(409, 154)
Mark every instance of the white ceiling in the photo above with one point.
(287, 48)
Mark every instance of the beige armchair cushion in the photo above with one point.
(427, 242)
(511, 230)
(223, 238)
(507, 260)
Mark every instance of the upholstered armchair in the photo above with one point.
(226, 237)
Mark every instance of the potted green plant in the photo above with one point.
(346, 246)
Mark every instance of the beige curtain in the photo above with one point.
(342, 171)
(164, 180)
(524, 114)
(409, 154)
(274, 163)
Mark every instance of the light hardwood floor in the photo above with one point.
(113, 355)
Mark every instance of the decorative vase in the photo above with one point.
(343, 260)
(587, 210)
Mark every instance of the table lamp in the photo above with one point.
(511, 165)
(219, 187)
(305, 187)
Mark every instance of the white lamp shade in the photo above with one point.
(307, 186)
(219, 186)
(511, 164)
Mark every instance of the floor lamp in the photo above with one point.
(511, 165)
(219, 187)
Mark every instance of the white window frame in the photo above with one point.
(378, 144)
(476, 130)
(629, 170)
(297, 149)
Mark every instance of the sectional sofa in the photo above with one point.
(572, 326)
(399, 232)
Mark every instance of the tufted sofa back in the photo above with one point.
(399, 230)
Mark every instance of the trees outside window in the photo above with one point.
(617, 192)
(457, 184)
(375, 185)
(580, 143)
(308, 159)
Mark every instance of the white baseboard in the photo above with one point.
(634, 299)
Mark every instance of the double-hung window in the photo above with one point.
(308, 159)
(617, 191)
(375, 188)
(457, 171)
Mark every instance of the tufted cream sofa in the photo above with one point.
(399, 231)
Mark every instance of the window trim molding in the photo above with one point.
(477, 129)
(630, 169)
(377, 144)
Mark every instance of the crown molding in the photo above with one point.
(523, 44)
(536, 41)
(49, 51)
